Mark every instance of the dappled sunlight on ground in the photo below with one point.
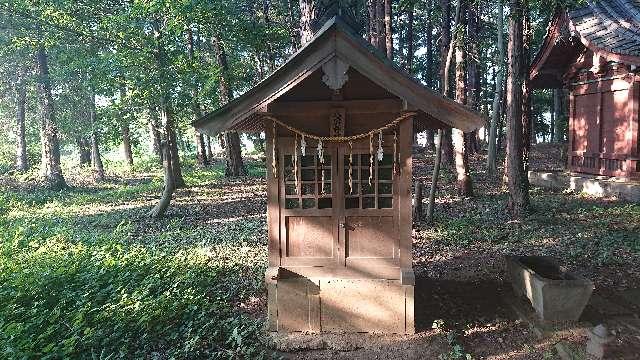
(198, 274)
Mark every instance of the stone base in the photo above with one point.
(588, 184)
(323, 304)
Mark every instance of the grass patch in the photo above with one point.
(583, 226)
(80, 280)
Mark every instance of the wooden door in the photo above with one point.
(342, 223)
(369, 207)
(309, 222)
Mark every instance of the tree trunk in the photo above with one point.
(429, 47)
(372, 30)
(444, 136)
(516, 178)
(267, 23)
(84, 148)
(492, 166)
(201, 152)
(446, 53)
(96, 159)
(434, 179)
(417, 202)
(380, 27)
(50, 167)
(234, 164)
(445, 39)
(464, 183)
(410, 46)
(154, 125)
(126, 145)
(388, 28)
(22, 164)
(557, 110)
(175, 157)
(473, 73)
(307, 14)
(552, 113)
(430, 144)
(294, 32)
(169, 184)
(165, 110)
(209, 149)
(529, 135)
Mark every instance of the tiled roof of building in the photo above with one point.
(609, 25)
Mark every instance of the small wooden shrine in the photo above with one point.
(594, 51)
(339, 120)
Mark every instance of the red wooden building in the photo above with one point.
(594, 51)
(339, 120)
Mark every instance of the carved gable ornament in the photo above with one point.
(335, 73)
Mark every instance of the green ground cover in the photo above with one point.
(85, 275)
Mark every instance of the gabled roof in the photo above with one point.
(609, 28)
(336, 39)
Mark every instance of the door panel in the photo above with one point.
(370, 207)
(369, 237)
(310, 236)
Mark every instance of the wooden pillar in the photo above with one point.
(572, 114)
(633, 166)
(405, 139)
(273, 227)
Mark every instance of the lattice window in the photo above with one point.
(378, 195)
(310, 192)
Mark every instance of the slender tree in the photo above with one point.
(460, 143)
(445, 64)
(21, 141)
(234, 164)
(380, 26)
(50, 144)
(529, 134)
(125, 129)
(410, 39)
(445, 67)
(201, 151)
(96, 159)
(515, 169)
(473, 71)
(307, 14)
(430, 145)
(492, 167)
(557, 111)
(372, 28)
(388, 28)
(84, 148)
(294, 31)
(207, 142)
(154, 132)
(166, 115)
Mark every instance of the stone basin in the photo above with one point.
(554, 293)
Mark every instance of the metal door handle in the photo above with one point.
(347, 227)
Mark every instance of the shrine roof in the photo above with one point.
(337, 40)
(609, 28)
